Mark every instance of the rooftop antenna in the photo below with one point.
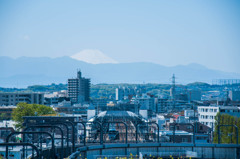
(79, 74)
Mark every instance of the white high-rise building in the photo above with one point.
(119, 94)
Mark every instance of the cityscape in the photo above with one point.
(120, 80)
(174, 113)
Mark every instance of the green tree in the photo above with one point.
(24, 109)
(228, 134)
(3, 116)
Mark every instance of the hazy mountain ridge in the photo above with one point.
(25, 71)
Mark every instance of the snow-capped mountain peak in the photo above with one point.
(93, 57)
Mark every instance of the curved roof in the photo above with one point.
(117, 114)
(113, 114)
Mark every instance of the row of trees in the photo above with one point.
(228, 134)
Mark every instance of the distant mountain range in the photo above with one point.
(25, 71)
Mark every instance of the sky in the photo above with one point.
(165, 32)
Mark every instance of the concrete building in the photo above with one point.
(91, 112)
(79, 89)
(180, 136)
(206, 115)
(6, 112)
(181, 96)
(179, 105)
(234, 95)
(55, 100)
(119, 93)
(194, 95)
(126, 106)
(100, 104)
(147, 101)
(189, 113)
(162, 105)
(75, 110)
(230, 110)
(181, 119)
(62, 93)
(15, 98)
(161, 121)
(144, 112)
(199, 127)
(201, 131)
(125, 92)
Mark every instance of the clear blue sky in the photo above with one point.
(165, 32)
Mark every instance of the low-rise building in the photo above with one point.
(234, 95)
(76, 109)
(206, 115)
(197, 127)
(15, 98)
(6, 112)
(100, 104)
(194, 95)
(55, 100)
(178, 137)
(230, 110)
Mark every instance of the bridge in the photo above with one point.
(57, 138)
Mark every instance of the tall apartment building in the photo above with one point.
(162, 105)
(15, 98)
(79, 89)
